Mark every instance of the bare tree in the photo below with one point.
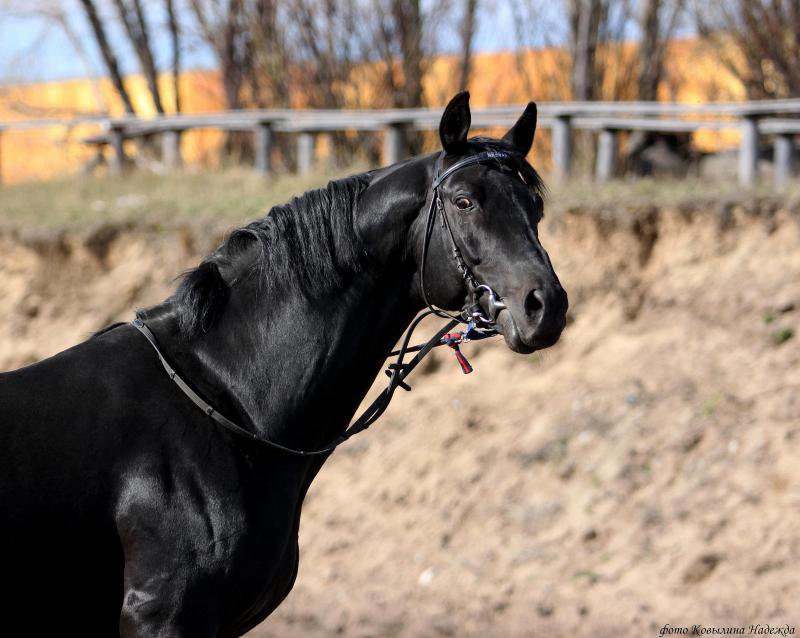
(467, 37)
(107, 53)
(224, 27)
(757, 41)
(398, 39)
(535, 30)
(586, 18)
(658, 20)
(325, 49)
(601, 64)
(174, 32)
(329, 40)
(408, 24)
(270, 79)
(49, 14)
(132, 17)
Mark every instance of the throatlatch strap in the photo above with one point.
(400, 372)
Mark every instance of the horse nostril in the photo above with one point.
(534, 303)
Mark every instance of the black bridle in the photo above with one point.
(479, 326)
(472, 311)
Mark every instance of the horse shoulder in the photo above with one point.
(190, 537)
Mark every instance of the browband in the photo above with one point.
(473, 159)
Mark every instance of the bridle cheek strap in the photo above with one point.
(473, 310)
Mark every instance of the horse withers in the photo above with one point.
(128, 510)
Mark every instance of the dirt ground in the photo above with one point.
(643, 472)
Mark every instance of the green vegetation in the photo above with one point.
(711, 403)
(782, 335)
(591, 576)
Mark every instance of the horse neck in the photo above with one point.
(293, 368)
(309, 363)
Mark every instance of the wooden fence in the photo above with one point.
(754, 120)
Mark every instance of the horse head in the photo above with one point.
(485, 247)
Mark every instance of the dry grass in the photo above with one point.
(238, 195)
(661, 192)
(233, 195)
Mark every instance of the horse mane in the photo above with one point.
(308, 244)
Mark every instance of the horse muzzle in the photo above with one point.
(535, 320)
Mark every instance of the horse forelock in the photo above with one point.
(520, 163)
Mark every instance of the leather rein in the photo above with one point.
(479, 326)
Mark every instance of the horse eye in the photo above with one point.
(463, 203)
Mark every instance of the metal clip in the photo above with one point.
(493, 303)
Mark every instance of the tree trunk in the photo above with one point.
(408, 19)
(650, 58)
(467, 36)
(176, 52)
(133, 19)
(757, 42)
(657, 23)
(230, 38)
(585, 18)
(107, 53)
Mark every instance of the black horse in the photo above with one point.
(128, 511)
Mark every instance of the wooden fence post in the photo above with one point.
(171, 149)
(606, 155)
(782, 158)
(118, 159)
(748, 150)
(393, 143)
(263, 150)
(305, 152)
(562, 146)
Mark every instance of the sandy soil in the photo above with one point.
(643, 472)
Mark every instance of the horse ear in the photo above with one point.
(455, 122)
(521, 134)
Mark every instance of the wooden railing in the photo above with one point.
(607, 119)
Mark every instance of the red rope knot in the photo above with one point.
(453, 340)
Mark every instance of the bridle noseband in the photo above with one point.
(478, 326)
(472, 311)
